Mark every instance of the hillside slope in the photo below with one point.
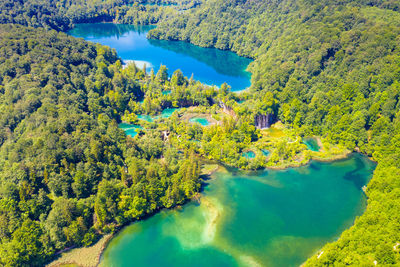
(334, 69)
(67, 173)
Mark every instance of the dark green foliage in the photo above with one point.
(67, 173)
(62, 15)
(59, 15)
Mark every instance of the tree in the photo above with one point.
(162, 74)
(177, 78)
(27, 246)
(106, 204)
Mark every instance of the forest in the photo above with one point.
(68, 174)
(62, 15)
(333, 68)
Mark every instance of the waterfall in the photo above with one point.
(227, 109)
(263, 121)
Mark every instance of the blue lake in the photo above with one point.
(208, 65)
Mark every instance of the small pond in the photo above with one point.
(312, 144)
(201, 121)
(130, 129)
(249, 155)
(265, 152)
(166, 113)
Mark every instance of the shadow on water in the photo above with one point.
(107, 30)
(205, 178)
(314, 166)
(221, 61)
(357, 176)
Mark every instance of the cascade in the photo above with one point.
(263, 121)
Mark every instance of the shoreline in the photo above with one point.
(91, 255)
(216, 166)
(333, 158)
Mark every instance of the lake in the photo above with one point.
(208, 65)
(269, 217)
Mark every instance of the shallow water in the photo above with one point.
(201, 121)
(130, 129)
(271, 218)
(208, 65)
(166, 113)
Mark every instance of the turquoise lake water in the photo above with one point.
(166, 113)
(129, 129)
(208, 65)
(201, 121)
(271, 218)
(249, 155)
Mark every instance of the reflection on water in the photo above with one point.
(209, 65)
(223, 62)
(106, 30)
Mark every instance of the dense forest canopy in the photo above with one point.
(68, 174)
(332, 67)
(334, 70)
(62, 15)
